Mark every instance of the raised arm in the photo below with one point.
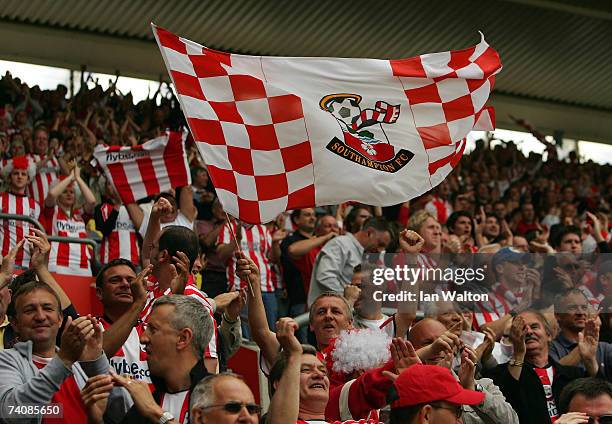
(58, 189)
(186, 205)
(39, 261)
(6, 268)
(285, 404)
(116, 335)
(90, 199)
(258, 324)
(160, 207)
(302, 247)
(136, 214)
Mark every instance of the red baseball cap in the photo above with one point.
(430, 383)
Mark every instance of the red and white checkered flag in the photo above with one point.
(281, 133)
(146, 169)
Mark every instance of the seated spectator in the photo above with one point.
(177, 333)
(333, 269)
(438, 346)
(34, 371)
(16, 201)
(532, 381)
(586, 400)
(577, 321)
(429, 394)
(63, 218)
(223, 399)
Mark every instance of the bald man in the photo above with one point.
(436, 346)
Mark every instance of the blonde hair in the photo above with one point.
(417, 219)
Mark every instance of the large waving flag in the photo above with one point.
(146, 169)
(282, 133)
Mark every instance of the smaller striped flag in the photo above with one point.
(146, 169)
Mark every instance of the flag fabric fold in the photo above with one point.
(146, 169)
(280, 133)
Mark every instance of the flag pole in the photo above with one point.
(239, 249)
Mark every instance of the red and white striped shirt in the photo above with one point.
(256, 244)
(12, 231)
(441, 209)
(192, 291)
(122, 242)
(177, 404)
(501, 302)
(67, 258)
(45, 176)
(130, 358)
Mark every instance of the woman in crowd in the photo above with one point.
(63, 217)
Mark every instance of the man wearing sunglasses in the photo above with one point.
(576, 319)
(586, 400)
(223, 399)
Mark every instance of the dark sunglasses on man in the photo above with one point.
(234, 407)
(602, 419)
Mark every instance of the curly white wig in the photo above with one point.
(360, 349)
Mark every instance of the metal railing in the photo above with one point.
(75, 240)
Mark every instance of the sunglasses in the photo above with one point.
(602, 419)
(458, 410)
(234, 407)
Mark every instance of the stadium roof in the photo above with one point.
(557, 54)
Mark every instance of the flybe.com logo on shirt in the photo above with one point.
(139, 370)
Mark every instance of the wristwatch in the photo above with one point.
(166, 417)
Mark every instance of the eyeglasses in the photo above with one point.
(458, 410)
(235, 407)
(602, 419)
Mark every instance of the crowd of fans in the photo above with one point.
(183, 286)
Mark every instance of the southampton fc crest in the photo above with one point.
(365, 141)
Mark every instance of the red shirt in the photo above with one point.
(69, 395)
